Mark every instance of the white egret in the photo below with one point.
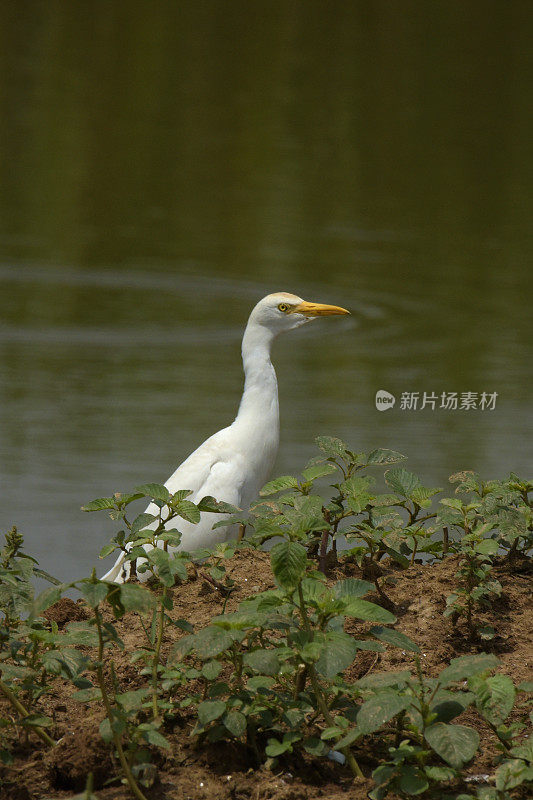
(233, 464)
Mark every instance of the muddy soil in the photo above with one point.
(226, 770)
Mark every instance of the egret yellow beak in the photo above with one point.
(317, 309)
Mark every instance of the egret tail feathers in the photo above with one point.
(119, 572)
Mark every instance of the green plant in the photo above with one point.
(122, 708)
(274, 674)
(149, 537)
(504, 505)
(476, 586)
(373, 524)
(27, 647)
(432, 705)
(495, 699)
(424, 729)
(281, 658)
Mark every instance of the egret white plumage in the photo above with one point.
(233, 464)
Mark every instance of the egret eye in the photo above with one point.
(283, 307)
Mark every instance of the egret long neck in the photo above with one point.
(259, 403)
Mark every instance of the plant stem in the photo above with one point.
(132, 783)
(414, 551)
(157, 652)
(323, 551)
(347, 753)
(17, 705)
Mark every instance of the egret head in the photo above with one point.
(282, 311)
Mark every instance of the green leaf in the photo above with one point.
(412, 780)
(188, 511)
(306, 515)
(238, 620)
(402, 481)
(486, 632)
(337, 654)
(142, 521)
(348, 739)
(278, 484)
(36, 721)
(167, 565)
(42, 573)
(47, 598)
(87, 695)
(524, 750)
(455, 744)
(398, 557)
(211, 641)
(100, 504)
(133, 700)
(315, 747)
(466, 666)
(440, 774)
(379, 709)
(351, 587)
(395, 638)
(15, 672)
(210, 710)
(447, 709)
(259, 682)
(154, 490)
(94, 593)
(275, 748)
(235, 722)
(67, 662)
(385, 500)
(357, 491)
(495, 698)
(422, 496)
(209, 503)
(452, 502)
(369, 644)
(382, 777)
(379, 680)
(318, 471)
(487, 547)
(384, 456)
(288, 561)
(136, 598)
(264, 661)
(211, 670)
(106, 550)
(180, 494)
(80, 633)
(154, 737)
(512, 773)
(332, 446)
(363, 609)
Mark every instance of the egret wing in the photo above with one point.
(195, 472)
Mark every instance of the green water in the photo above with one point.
(165, 165)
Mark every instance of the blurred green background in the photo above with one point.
(163, 165)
